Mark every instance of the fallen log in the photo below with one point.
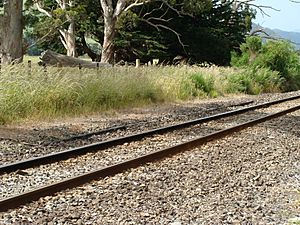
(55, 59)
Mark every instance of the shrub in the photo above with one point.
(203, 85)
(254, 81)
(249, 51)
(277, 56)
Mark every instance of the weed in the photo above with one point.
(68, 91)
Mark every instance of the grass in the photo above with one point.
(33, 59)
(60, 92)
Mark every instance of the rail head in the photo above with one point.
(73, 152)
(18, 200)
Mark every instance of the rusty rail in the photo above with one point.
(59, 156)
(18, 200)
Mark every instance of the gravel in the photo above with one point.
(14, 183)
(247, 178)
(36, 139)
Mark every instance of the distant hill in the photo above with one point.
(293, 37)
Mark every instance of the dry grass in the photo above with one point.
(60, 92)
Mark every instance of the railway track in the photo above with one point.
(54, 157)
(37, 141)
(17, 200)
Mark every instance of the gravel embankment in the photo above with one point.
(32, 140)
(35, 140)
(251, 177)
(32, 178)
(247, 178)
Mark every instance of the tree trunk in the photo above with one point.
(67, 36)
(55, 59)
(95, 57)
(68, 39)
(12, 32)
(107, 54)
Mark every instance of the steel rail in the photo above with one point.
(73, 152)
(18, 200)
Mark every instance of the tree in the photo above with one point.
(64, 14)
(155, 28)
(213, 31)
(111, 13)
(90, 27)
(113, 10)
(12, 32)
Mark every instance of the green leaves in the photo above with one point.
(275, 55)
(209, 29)
(196, 7)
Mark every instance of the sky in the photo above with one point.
(287, 19)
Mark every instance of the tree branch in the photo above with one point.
(62, 37)
(179, 13)
(237, 4)
(255, 32)
(40, 8)
(159, 19)
(268, 36)
(136, 3)
(61, 3)
(119, 8)
(154, 10)
(158, 26)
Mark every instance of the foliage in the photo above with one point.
(135, 40)
(68, 91)
(277, 56)
(203, 84)
(43, 30)
(213, 31)
(254, 81)
(250, 49)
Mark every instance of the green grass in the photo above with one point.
(254, 81)
(60, 92)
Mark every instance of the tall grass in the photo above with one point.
(59, 92)
(254, 81)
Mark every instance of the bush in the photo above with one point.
(203, 85)
(254, 81)
(249, 50)
(277, 56)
